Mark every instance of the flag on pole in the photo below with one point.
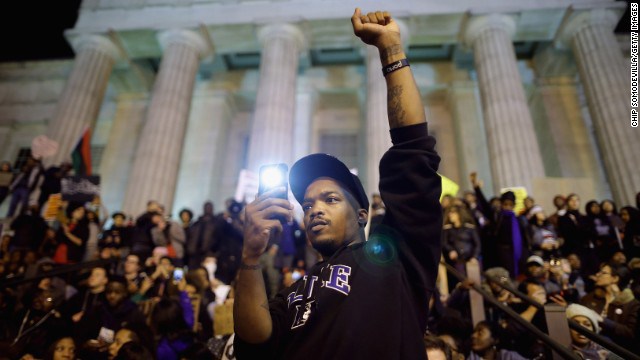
(81, 154)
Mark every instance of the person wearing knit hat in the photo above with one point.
(581, 345)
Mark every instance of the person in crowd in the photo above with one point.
(186, 221)
(582, 345)
(52, 181)
(28, 229)
(610, 210)
(542, 234)
(97, 329)
(72, 237)
(133, 273)
(36, 326)
(122, 336)
(172, 321)
(62, 349)
(230, 239)
(26, 183)
(631, 233)
(617, 306)
(7, 172)
(574, 229)
(528, 203)
(198, 285)
(436, 348)
(394, 270)
(508, 243)
(133, 350)
(203, 237)
(518, 335)
(169, 234)
(456, 332)
(537, 271)
(559, 202)
(601, 232)
(90, 298)
(141, 240)
(91, 251)
(486, 343)
(117, 239)
(461, 242)
(472, 203)
(577, 279)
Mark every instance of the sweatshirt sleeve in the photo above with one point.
(410, 188)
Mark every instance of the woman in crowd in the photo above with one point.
(544, 239)
(63, 349)
(461, 242)
(618, 308)
(72, 237)
(581, 345)
(172, 322)
(610, 210)
(485, 343)
(601, 231)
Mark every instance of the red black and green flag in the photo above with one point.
(81, 155)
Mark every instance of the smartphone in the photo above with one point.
(273, 176)
(178, 274)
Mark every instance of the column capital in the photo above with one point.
(186, 37)
(479, 24)
(583, 19)
(287, 31)
(96, 42)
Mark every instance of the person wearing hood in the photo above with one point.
(542, 234)
(573, 227)
(618, 308)
(507, 245)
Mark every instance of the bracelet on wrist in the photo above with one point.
(396, 65)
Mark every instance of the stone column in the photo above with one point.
(473, 154)
(115, 167)
(605, 75)
(513, 147)
(157, 160)
(83, 94)
(204, 152)
(271, 136)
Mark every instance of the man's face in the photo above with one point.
(166, 264)
(116, 292)
(574, 261)
(329, 218)
(132, 264)
(97, 278)
(118, 221)
(573, 203)
(535, 270)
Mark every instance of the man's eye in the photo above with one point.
(332, 200)
(306, 207)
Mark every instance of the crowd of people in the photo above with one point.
(159, 287)
(587, 259)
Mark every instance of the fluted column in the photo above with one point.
(83, 93)
(377, 123)
(605, 75)
(513, 147)
(157, 160)
(273, 119)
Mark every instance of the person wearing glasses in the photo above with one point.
(617, 306)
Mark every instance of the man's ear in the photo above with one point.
(363, 217)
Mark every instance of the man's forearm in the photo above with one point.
(252, 320)
(404, 104)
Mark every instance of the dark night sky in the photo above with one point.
(33, 29)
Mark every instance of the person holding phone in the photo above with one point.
(362, 292)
